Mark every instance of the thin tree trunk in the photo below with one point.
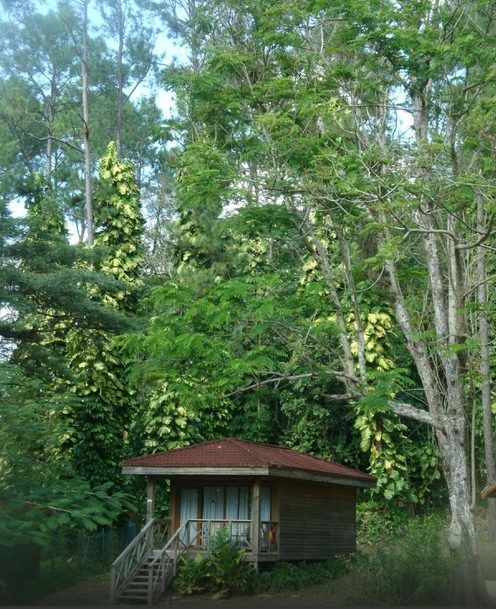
(485, 368)
(50, 115)
(48, 164)
(321, 257)
(86, 129)
(359, 328)
(120, 77)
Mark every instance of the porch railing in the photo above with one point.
(153, 553)
(268, 537)
(200, 532)
(163, 567)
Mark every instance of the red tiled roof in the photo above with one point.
(232, 452)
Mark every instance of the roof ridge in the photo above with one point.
(293, 450)
(270, 461)
(175, 450)
(247, 450)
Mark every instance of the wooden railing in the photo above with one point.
(163, 567)
(268, 537)
(153, 535)
(200, 532)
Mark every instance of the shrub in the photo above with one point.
(223, 572)
(416, 569)
(377, 522)
(289, 576)
(192, 576)
(229, 571)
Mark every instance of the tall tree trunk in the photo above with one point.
(462, 536)
(86, 129)
(120, 76)
(484, 367)
(48, 164)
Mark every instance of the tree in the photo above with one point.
(105, 413)
(41, 293)
(323, 90)
(134, 57)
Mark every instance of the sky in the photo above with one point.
(165, 48)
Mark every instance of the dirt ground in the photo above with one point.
(94, 592)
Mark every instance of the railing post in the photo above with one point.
(150, 586)
(178, 546)
(112, 586)
(255, 520)
(150, 498)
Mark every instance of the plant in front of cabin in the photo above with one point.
(223, 572)
(291, 576)
(229, 570)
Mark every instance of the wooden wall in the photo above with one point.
(315, 521)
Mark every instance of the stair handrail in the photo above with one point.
(167, 558)
(130, 560)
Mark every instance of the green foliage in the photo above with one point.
(41, 496)
(202, 191)
(404, 470)
(379, 523)
(290, 576)
(223, 572)
(414, 568)
(119, 222)
(106, 403)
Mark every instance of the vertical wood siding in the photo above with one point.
(315, 521)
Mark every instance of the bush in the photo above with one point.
(223, 572)
(416, 569)
(289, 576)
(377, 522)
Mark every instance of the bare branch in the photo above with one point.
(274, 379)
(416, 414)
(56, 139)
(481, 239)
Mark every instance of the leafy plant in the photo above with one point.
(414, 568)
(223, 572)
(290, 576)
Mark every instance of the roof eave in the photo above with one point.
(300, 474)
(140, 470)
(277, 472)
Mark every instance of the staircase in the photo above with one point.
(138, 586)
(144, 569)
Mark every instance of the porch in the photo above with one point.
(145, 568)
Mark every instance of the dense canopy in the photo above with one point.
(296, 247)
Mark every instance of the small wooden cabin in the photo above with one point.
(277, 503)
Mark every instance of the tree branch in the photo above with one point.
(416, 414)
(481, 239)
(273, 379)
(55, 139)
